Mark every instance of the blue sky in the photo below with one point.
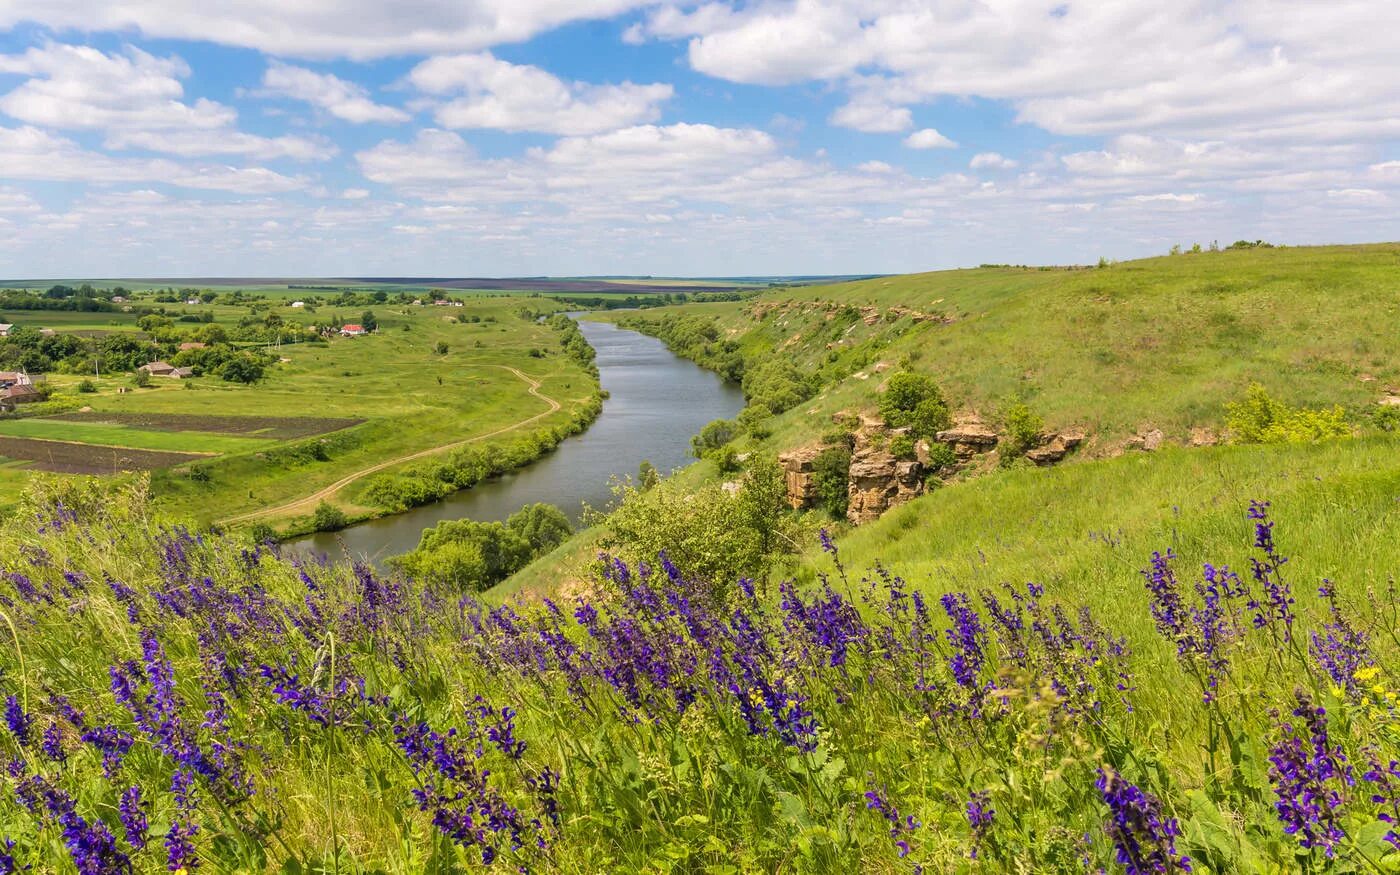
(514, 137)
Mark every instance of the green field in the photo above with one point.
(120, 436)
(411, 398)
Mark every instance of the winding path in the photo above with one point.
(310, 501)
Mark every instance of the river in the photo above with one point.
(657, 401)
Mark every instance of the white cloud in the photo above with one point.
(342, 99)
(991, 161)
(360, 29)
(354, 194)
(29, 153)
(873, 118)
(928, 138)
(487, 92)
(136, 99)
(875, 167)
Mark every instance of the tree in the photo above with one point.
(914, 401)
(328, 518)
(441, 348)
(543, 526)
(368, 322)
(714, 435)
(648, 476)
(241, 369)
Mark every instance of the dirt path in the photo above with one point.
(305, 505)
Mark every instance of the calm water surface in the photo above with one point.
(657, 402)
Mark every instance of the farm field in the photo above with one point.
(430, 377)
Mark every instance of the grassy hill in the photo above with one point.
(1160, 343)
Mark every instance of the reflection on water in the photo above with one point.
(657, 402)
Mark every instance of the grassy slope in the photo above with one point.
(122, 436)
(1163, 342)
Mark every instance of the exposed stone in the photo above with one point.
(1054, 446)
(1147, 441)
(881, 367)
(877, 481)
(1204, 437)
(968, 437)
(1389, 400)
(797, 474)
(732, 487)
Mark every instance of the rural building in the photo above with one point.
(14, 378)
(352, 330)
(5, 328)
(298, 304)
(47, 332)
(192, 301)
(118, 299)
(19, 393)
(165, 369)
(191, 345)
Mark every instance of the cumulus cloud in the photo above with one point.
(360, 29)
(136, 99)
(991, 161)
(928, 138)
(486, 92)
(30, 153)
(342, 99)
(873, 118)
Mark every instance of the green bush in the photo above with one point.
(941, 458)
(328, 518)
(1387, 417)
(1023, 427)
(1260, 419)
(902, 447)
(914, 401)
(831, 477)
(721, 535)
(714, 435)
(87, 387)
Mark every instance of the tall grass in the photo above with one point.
(275, 716)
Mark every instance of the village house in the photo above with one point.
(352, 330)
(14, 378)
(5, 329)
(165, 369)
(298, 304)
(192, 344)
(19, 393)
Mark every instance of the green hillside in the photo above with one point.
(1161, 343)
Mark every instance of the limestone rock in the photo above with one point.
(968, 437)
(797, 474)
(877, 481)
(1204, 437)
(1147, 441)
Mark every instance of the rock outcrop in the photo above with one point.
(1147, 441)
(968, 437)
(797, 472)
(877, 481)
(1054, 447)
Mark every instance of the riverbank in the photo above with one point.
(655, 402)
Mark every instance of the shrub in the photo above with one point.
(1260, 419)
(914, 401)
(328, 518)
(831, 477)
(1023, 428)
(87, 387)
(1387, 417)
(941, 457)
(756, 420)
(714, 435)
(726, 459)
(441, 348)
(902, 447)
(261, 533)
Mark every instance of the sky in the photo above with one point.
(598, 137)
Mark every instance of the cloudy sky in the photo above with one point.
(568, 137)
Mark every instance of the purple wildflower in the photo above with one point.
(20, 724)
(980, 815)
(1144, 838)
(132, 811)
(1309, 773)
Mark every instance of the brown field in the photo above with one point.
(66, 458)
(275, 427)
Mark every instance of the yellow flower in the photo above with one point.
(1366, 673)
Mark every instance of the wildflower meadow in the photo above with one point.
(185, 702)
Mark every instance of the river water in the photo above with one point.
(657, 402)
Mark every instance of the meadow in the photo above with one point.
(433, 376)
